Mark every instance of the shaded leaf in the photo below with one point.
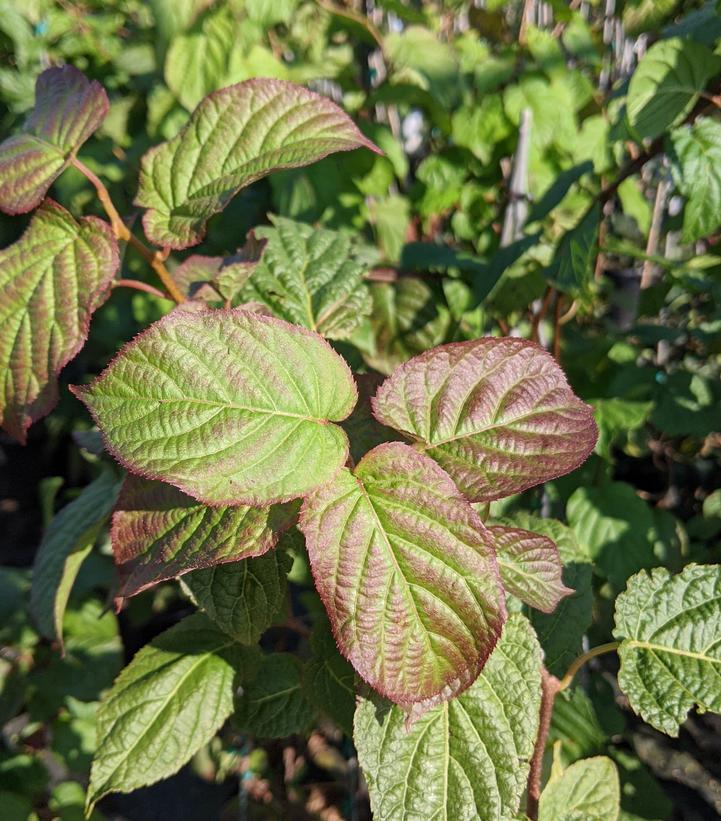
(575, 257)
(407, 573)
(51, 281)
(497, 414)
(67, 541)
(311, 277)
(587, 791)
(530, 566)
(68, 109)
(465, 759)
(670, 632)
(329, 680)
(216, 279)
(159, 533)
(235, 137)
(229, 406)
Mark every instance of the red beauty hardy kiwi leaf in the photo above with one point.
(51, 281)
(159, 533)
(407, 573)
(68, 109)
(496, 413)
(231, 407)
(236, 136)
(531, 567)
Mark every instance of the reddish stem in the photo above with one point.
(549, 688)
(141, 286)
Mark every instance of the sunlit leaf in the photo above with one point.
(587, 791)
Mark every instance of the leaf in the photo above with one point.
(329, 680)
(170, 700)
(697, 153)
(235, 137)
(243, 597)
(574, 260)
(67, 541)
(51, 281)
(159, 533)
(273, 705)
(667, 83)
(530, 566)
(587, 791)
(617, 417)
(229, 406)
(670, 632)
(556, 192)
(497, 414)
(407, 574)
(68, 109)
(311, 277)
(465, 759)
(215, 279)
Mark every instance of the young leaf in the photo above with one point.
(497, 414)
(667, 83)
(273, 704)
(68, 109)
(159, 533)
(243, 598)
(407, 573)
(235, 137)
(312, 277)
(51, 281)
(464, 759)
(214, 279)
(169, 701)
(530, 566)
(587, 791)
(67, 541)
(229, 406)
(670, 632)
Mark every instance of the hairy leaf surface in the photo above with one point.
(587, 791)
(169, 701)
(670, 631)
(51, 281)
(229, 406)
(312, 277)
(66, 543)
(497, 414)
(530, 566)
(465, 759)
(160, 533)
(235, 137)
(68, 109)
(407, 573)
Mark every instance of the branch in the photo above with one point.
(549, 688)
(120, 229)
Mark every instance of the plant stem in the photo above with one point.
(140, 286)
(359, 19)
(581, 660)
(549, 688)
(154, 258)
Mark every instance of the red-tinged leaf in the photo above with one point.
(531, 567)
(236, 136)
(68, 109)
(159, 533)
(229, 406)
(497, 414)
(51, 281)
(407, 573)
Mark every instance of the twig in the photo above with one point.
(542, 311)
(140, 286)
(549, 688)
(557, 329)
(570, 313)
(517, 209)
(154, 258)
(654, 233)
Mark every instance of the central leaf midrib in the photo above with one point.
(675, 651)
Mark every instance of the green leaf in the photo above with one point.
(670, 632)
(311, 277)
(697, 153)
(575, 257)
(229, 406)
(587, 791)
(235, 137)
(329, 680)
(216, 279)
(169, 701)
(465, 759)
(68, 109)
(617, 417)
(497, 414)
(159, 533)
(667, 83)
(67, 541)
(245, 597)
(407, 573)
(51, 281)
(530, 566)
(273, 704)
